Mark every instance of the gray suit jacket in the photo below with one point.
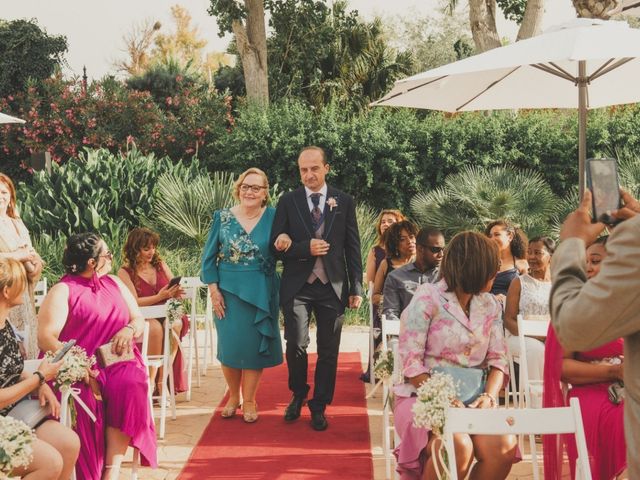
(588, 314)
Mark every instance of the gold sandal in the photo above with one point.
(250, 416)
(229, 410)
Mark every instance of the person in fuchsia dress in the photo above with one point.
(95, 309)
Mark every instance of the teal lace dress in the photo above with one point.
(244, 269)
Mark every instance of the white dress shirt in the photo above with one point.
(323, 197)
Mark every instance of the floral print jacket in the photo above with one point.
(452, 339)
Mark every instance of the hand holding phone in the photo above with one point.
(63, 351)
(174, 281)
(602, 180)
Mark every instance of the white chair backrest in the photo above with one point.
(533, 326)
(154, 311)
(499, 421)
(529, 328)
(390, 328)
(31, 366)
(40, 291)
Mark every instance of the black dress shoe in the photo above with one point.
(292, 412)
(319, 421)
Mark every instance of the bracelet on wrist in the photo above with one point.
(491, 398)
(40, 376)
(133, 329)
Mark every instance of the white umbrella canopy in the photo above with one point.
(583, 64)
(9, 119)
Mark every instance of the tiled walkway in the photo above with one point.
(184, 432)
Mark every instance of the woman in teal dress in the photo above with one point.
(240, 271)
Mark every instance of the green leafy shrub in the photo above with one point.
(98, 191)
(470, 199)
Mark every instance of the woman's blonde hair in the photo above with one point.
(11, 208)
(399, 216)
(12, 276)
(243, 175)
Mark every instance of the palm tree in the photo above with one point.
(185, 205)
(473, 197)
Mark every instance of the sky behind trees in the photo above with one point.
(94, 28)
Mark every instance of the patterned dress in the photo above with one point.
(434, 330)
(11, 361)
(22, 316)
(244, 269)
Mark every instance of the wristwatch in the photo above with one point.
(40, 376)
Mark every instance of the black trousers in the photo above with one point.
(329, 313)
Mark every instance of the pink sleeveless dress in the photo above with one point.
(603, 421)
(144, 289)
(97, 311)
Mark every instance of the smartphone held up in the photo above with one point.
(603, 181)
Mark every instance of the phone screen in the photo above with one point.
(603, 176)
(63, 351)
(174, 281)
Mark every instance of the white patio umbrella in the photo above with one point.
(9, 119)
(583, 64)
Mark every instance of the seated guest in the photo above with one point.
(400, 245)
(376, 255)
(595, 377)
(512, 243)
(56, 447)
(97, 309)
(528, 295)
(454, 322)
(147, 276)
(401, 284)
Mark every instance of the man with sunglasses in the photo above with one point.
(401, 283)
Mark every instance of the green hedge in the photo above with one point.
(387, 156)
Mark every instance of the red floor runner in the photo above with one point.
(271, 449)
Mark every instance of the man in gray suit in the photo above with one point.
(586, 315)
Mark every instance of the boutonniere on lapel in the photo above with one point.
(332, 203)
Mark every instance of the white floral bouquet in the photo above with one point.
(15, 445)
(434, 397)
(74, 369)
(175, 310)
(383, 367)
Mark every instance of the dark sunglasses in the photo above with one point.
(433, 249)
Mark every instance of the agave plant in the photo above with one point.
(185, 205)
(473, 197)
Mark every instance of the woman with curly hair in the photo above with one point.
(512, 243)
(147, 276)
(400, 245)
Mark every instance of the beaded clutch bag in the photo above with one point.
(106, 357)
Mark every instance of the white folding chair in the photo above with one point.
(160, 361)
(40, 291)
(192, 286)
(518, 421)
(390, 328)
(529, 327)
(372, 337)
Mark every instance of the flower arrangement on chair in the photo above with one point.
(435, 395)
(15, 445)
(75, 367)
(175, 310)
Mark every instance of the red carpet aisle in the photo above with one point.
(274, 450)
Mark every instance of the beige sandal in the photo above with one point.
(229, 410)
(250, 415)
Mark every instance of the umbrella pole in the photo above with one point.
(582, 122)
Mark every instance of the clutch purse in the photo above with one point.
(470, 382)
(30, 412)
(107, 358)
